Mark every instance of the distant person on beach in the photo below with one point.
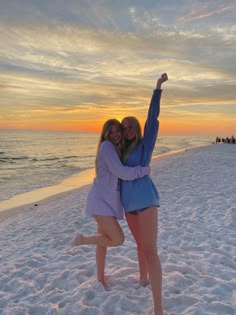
(103, 201)
(140, 198)
(226, 140)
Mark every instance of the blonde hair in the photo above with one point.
(105, 135)
(130, 145)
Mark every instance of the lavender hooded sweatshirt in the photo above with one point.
(104, 195)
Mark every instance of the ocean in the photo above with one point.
(35, 159)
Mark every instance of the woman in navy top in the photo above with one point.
(140, 197)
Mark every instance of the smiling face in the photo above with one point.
(115, 134)
(129, 130)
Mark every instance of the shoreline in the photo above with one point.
(74, 182)
(44, 193)
(179, 151)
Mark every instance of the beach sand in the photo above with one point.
(41, 274)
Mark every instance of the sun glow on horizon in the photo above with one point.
(167, 126)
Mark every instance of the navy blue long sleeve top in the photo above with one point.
(142, 193)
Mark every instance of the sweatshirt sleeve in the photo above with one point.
(152, 123)
(111, 158)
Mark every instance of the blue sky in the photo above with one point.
(70, 65)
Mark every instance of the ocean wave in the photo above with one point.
(161, 150)
(11, 160)
(54, 158)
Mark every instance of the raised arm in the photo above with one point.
(152, 123)
(109, 154)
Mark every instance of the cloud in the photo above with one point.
(3, 86)
(79, 57)
(204, 11)
(75, 47)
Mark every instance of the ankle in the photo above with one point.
(104, 283)
(144, 282)
(79, 240)
(158, 310)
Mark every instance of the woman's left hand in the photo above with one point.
(162, 79)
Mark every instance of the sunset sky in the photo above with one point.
(70, 65)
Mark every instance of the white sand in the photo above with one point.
(40, 274)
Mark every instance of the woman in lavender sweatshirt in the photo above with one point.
(103, 201)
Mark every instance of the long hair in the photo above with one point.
(130, 145)
(105, 135)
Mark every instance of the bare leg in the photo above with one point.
(133, 224)
(148, 238)
(112, 234)
(101, 252)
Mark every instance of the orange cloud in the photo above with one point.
(194, 15)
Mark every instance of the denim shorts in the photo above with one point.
(136, 212)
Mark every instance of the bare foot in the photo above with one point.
(105, 285)
(144, 282)
(78, 240)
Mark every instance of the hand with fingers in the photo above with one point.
(162, 79)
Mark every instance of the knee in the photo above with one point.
(119, 240)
